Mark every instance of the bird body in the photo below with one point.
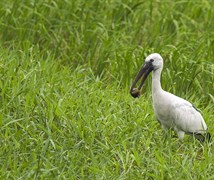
(177, 114)
(170, 110)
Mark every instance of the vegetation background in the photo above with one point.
(65, 72)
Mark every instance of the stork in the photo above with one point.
(171, 111)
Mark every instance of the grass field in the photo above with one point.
(65, 72)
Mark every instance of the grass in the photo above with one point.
(66, 68)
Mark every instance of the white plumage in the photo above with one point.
(171, 111)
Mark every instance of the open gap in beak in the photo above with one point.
(144, 72)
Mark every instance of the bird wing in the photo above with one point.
(186, 117)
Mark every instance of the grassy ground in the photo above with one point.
(66, 68)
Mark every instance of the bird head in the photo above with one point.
(152, 63)
(155, 60)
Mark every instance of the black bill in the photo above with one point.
(144, 72)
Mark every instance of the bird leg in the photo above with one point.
(180, 135)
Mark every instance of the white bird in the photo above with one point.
(171, 111)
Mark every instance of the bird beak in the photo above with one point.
(144, 72)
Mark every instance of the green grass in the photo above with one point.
(65, 72)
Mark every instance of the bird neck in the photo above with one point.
(156, 83)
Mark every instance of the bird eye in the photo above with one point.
(151, 60)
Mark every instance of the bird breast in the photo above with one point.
(162, 106)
